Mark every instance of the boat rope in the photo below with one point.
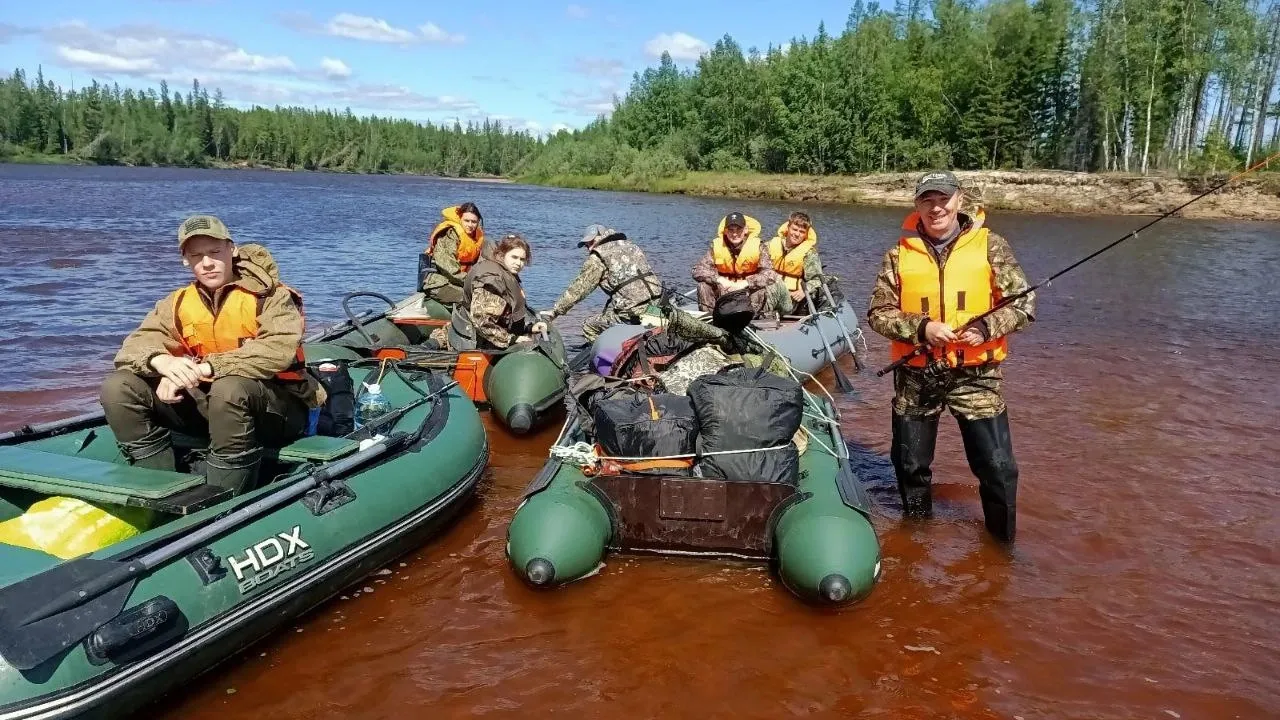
(795, 375)
(584, 454)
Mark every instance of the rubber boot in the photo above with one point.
(989, 447)
(237, 473)
(914, 439)
(153, 451)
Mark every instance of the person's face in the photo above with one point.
(514, 260)
(209, 260)
(735, 234)
(796, 233)
(470, 221)
(938, 211)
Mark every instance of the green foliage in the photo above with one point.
(108, 125)
(1126, 85)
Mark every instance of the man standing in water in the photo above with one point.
(946, 269)
(220, 358)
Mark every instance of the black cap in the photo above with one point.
(942, 181)
(735, 219)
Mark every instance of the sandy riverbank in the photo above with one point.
(1256, 197)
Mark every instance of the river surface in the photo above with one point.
(1145, 407)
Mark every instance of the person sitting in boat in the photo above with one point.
(456, 244)
(794, 253)
(220, 358)
(493, 314)
(617, 266)
(737, 261)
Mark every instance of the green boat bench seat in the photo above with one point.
(106, 482)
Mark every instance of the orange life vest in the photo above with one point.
(955, 293)
(747, 261)
(468, 247)
(790, 263)
(203, 334)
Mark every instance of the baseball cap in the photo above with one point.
(202, 225)
(942, 181)
(735, 219)
(595, 232)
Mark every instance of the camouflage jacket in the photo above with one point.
(495, 301)
(886, 317)
(621, 270)
(448, 271)
(273, 350)
(705, 271)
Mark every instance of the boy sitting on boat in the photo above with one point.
(221, 357)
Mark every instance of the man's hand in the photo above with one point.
(737, 284)
(183, 372)
(797, 295)
(973, 337)
(724, 283)
(167, 392)
(939, 333)
(539, 328)
(547, 315)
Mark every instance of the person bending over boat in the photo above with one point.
(794, 255)
(617, 266)
(493, 314)
(943, 250)
(456, 244)
(220, 358)
(737, 261)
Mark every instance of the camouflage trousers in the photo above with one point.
(770, 298)
(610, 316)
(970, 393)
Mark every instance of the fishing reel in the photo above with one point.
(937, 369)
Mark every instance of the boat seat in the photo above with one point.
(106, 482)
(320, 448)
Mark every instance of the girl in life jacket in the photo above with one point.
(455, 246)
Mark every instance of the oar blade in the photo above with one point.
(26, 645)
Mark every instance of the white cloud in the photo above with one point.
(590, 102)
(361, 27)
(370, 29)
(147, 49)
(577, 12)
(597, 67)
(334, 68)
(432, 33)
(104, 62)
(681, 46)
(239, 60)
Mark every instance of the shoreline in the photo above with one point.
(1055, 192)
(241, 165)
(1061, 192)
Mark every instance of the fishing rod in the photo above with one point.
(1004, 302)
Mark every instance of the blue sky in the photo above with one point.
(535, 65)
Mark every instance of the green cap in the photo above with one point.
(202, 225)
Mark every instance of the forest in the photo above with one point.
(109, 126)
(1136, 86)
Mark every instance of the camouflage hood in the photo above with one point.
(256, 270)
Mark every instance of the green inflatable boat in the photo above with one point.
(196, 575)
(523, 387)
(817, 534)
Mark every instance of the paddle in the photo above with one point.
(835, 313)
(842, 382)
(48, 613)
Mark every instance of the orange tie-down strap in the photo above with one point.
(614, 466)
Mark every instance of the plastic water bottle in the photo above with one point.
(372, 405)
